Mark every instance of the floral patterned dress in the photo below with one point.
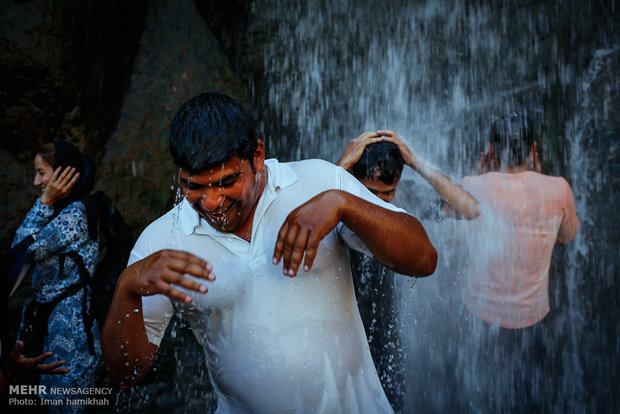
(53, 273)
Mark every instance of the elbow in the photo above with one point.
(428, 263)
(423, 265)
(567, 235)
(473, 212)
(470, 211)
(124, 367)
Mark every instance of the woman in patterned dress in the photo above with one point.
(63, 224)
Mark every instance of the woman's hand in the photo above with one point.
(19, 365)
(60, 185)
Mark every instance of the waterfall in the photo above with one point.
(438, 73)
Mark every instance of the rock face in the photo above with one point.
(178, 58)
(64, 69)
(107, 76)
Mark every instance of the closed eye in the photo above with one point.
(226, 182)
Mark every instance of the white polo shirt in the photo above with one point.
(274, 343)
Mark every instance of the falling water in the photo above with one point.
(438, 73)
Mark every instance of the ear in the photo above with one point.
(259, 156)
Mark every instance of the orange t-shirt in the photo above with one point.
(520, 219)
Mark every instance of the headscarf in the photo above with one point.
(68, 155)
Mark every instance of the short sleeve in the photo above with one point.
(157, 310)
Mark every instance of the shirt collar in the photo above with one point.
(278, 176)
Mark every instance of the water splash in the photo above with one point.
(438, 74)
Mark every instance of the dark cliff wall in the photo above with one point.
(108, 76)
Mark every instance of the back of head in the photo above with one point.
(381, 160)
(512, 137)
(64, 154)
(208, 130)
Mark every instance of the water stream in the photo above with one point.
(438, 73)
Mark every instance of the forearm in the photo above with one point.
(396, 239)
(127, 353)
(463, 203)
(35, 220)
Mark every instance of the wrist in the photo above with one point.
(125, 287)
(342, 201)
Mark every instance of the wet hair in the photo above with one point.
(512, 137)
(381, 160)
(208, 130)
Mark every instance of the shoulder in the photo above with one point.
(310, 174)
(551, 184)
(314, 166)
(163, 224)
(75, 208)
(159, 234)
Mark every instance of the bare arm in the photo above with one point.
(127, 353)
(463, 204)
(570, 223)
(396, 239)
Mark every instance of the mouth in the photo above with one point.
(221, 216)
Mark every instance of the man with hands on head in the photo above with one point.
(462, 204)
(279, 324)
(376, 159)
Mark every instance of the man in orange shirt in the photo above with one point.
(523, 213)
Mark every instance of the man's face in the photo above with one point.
(226, 196)
(385, 192)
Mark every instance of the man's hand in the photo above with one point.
(127, 352)
(60, 185)
(303, 230)
(161, 271)
(355, 149)
(534, 163)
(488, 161)
(391, 136)
(18, 365)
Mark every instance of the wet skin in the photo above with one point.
(385, 192)
(226, 197)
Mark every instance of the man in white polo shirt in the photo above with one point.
(279, 325)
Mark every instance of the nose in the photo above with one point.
(211, 199)
(37, 181)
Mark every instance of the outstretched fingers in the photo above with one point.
(169, 270)
(52, 368)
